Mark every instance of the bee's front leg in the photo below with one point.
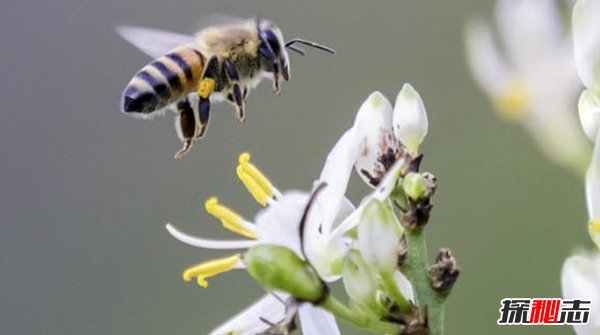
(235, 96)
(276, 87)
(266, 52)
(205, 89)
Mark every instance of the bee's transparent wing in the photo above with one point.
(217, 19)
(153, 42)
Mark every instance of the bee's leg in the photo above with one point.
(266, 52)
(205, 89)
(203, 118)
(185, 124)
(245, 93)
(236, 92)
(276, 88)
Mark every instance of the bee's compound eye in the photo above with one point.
(269, 36)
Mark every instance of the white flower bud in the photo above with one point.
(410, 119)
(359, 281)
(375, 138)
(379, 236)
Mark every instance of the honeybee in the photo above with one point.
(222, 62)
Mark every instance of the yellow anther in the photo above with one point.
(253, 179)
(206, 87)
(231, 220)
(211, 268)
(514, 103)
(255, 190)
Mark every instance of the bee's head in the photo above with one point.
(272, 46)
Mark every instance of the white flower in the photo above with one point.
(277, 224)
(531, 76)
(271, 308)
(385, 132)
(248, 321)
(580, 278)
(586, 38)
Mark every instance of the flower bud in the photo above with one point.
(410, 119)
(378, 149)
(279, 268)
(359, 281)
(379, 235)
(414, 186)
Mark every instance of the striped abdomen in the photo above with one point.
(163, 81)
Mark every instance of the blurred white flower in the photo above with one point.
(589, 113)
(586, 37)
(530, 75)
(592, 190)
(580, 278)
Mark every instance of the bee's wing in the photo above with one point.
(153, 42)
(217, 19)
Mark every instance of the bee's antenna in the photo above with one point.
(289, 44)
(296, 49)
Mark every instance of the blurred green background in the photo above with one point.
(86, 191)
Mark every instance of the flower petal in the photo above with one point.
(580, 278)
(530, 29)
(378, 236)
(488, 67)
(316, 321)
(336, 173)
(589, 113)
(248, 321)
(279, 223)
(592, 184)
(404, 285)
(378, 148)
(586, 38)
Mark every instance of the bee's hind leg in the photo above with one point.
(235, 96)
(185, 124)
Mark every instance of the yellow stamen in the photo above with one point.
(231, 220)
(255, 190)
(211, 268)
(514, 103)
(257, 184)
(594, 230)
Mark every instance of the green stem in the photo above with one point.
(415, 269)
(358, 319)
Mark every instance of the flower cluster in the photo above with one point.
(581, 272)
(529, 74)
(302, 242)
